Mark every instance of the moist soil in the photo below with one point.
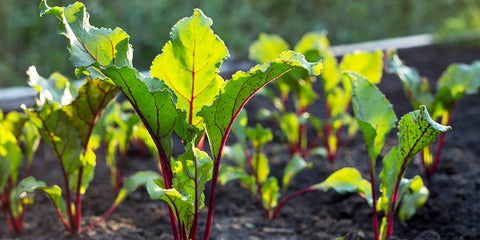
(452, 211)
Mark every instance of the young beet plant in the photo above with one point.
(456, 82)
(185, 96)
(121, 129)
(416, 130)
(253, 169)
(65, 118)
(298, 88)
(19, 140)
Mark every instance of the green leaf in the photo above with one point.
(373, 112)
(270, 193)
(414, 197)
(267, 48)
(59, 132)
(229, 173)
(93, 97)
(294, 166)
(456, 82)
(346, 180)
(259, 136)
(261, 167)
(10, 156)
(416, 131)
(290, 126)
(190, 62)
(88, 44)
(236, 153)
(28, 185)
(234, 94)
(31, 140)
(56, 88)
(415, 87)
(151, 99)
(367, 64)
(192, 171)
(311, 44)
(135, 181)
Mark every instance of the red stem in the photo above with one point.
(78, 202)
(438, 150)
(290, 197)
(374, 200)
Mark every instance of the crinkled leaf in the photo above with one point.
(234, 93)
(270, 193)
(267, 48)
(190, 62)
(93, 97)
(416, 131)
(59, 132)
(346, 180)
(415, 87)
(56, 88)
(293, 167)
(88, 44)
(192, 171)
(373, 112)
(135, 181)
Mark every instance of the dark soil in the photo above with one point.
(452, 211)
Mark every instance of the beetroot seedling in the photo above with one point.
(298, 88)
(416, 130)
(19, 140)
(457, 81)
(185, 96)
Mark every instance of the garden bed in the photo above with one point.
(452, 211)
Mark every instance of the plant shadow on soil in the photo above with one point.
(451, 212)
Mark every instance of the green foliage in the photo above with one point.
(66, 123)
(252, 168)
(181, 106)
(457, 81)
(19, 141)
(346, 180)
(299, 88)
(415, 131)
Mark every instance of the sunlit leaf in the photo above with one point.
(267, 48)
(293, 167)
(373, 112)
(190, 62)
(220, 116)
(88, 44)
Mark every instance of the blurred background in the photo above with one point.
(26, 39)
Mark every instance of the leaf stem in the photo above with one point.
(290, 197)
